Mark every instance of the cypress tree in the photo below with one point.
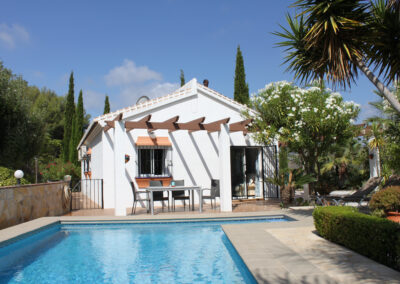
(68, 118)
(241, 88)
(72, 140)
(182, 78)
(106, 106)
(77, 129)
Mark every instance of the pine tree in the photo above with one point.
(77, 130)
(182, 77)
(241, 88)
(106, 106)
(68, 118)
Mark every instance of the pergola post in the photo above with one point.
(120, 180)
(224, 150)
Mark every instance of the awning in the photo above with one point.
(157, 141)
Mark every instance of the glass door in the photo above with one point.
(238, 173)
(253, 185)
(246, 172)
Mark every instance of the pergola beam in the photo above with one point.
(240, 126)
(172, 124)
(111, 123)
(169, 124)
(190, 125)
(212, 126)
(140, 124)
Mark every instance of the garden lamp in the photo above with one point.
(18, 175)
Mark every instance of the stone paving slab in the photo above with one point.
(336, 261)
(290, 252)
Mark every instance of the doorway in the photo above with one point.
(246, 172)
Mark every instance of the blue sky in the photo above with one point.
(131, 48)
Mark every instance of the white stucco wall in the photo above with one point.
(195, 156)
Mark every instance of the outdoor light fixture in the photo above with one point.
(127, 158)
(18, 175)
(152, 134)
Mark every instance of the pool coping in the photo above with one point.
(14, 233)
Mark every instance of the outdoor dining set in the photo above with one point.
(176, 190)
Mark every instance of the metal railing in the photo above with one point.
(87, 194)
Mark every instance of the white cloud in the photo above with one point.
(10, 35)
(127, 83)
(128, 73)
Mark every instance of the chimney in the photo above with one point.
(205, 82)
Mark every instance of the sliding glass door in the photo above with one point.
(246, 170)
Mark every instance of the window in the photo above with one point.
(86, 163)
(153, 162)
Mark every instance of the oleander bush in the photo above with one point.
(387, 199)
(376, 238)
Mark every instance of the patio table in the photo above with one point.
(191, 189)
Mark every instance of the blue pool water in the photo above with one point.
(126, 253)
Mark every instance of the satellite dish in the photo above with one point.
(142, 99)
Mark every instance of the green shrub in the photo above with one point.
(376, 238)
(7, 177)
(387, 199)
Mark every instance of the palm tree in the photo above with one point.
(377, 141)
(336, 39)
(288, 180)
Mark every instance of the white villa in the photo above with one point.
(194, 134)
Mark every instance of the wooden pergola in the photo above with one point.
(172, 124)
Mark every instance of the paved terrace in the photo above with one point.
(285, 252)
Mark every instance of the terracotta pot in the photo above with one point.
(393, 216)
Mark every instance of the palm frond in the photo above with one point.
(384, 43)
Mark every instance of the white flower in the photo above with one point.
(312, 89)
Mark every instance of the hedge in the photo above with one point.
(373, 237)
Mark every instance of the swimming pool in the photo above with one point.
(175, 252)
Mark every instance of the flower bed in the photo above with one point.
(376, 238)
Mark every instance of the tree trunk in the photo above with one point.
(392, 99)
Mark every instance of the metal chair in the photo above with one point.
(159, 195)
(137, 197)
(179, 194)
(214, 192)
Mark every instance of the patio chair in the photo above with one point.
(159, 195)
(137, 197)
(360, 196)
(179, 194)
(214, 192)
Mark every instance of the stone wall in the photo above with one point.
(22, 203)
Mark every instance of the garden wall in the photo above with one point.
(22, 203)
